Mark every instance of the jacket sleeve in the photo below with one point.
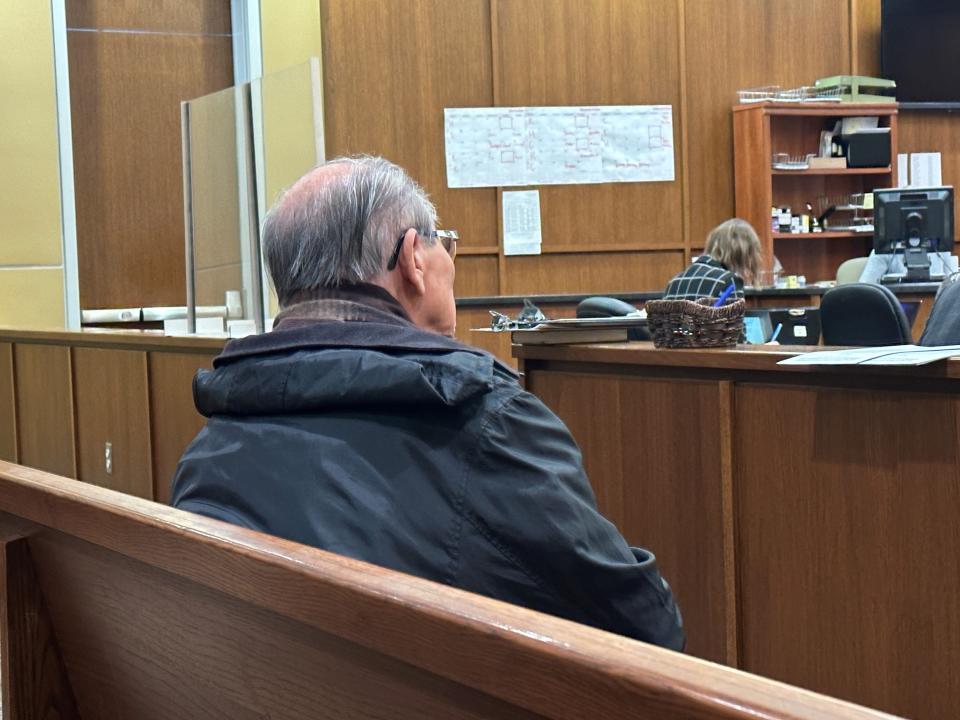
(531, 499)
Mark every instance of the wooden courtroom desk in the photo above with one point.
(474, 312)
(115, 607)
(806, 518)
(65, 395)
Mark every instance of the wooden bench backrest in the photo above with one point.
(115, 607)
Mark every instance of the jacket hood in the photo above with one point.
(315, 379)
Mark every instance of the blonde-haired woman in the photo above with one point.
(732, 255)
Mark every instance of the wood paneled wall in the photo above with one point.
(131, 64)
(391, 66)
(386, 88)
(918, 130)
(739, 44)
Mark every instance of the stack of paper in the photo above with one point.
(566, 331)
(889, 355)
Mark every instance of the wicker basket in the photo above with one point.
(694, 323)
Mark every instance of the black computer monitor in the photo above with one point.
(913, 221)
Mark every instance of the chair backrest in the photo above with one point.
(943, 325)
(851, 270)
(863, 314)
(116, 607)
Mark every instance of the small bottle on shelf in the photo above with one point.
(786, 219)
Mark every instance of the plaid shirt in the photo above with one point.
(705, 277)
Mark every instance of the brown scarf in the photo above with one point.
(358, 302)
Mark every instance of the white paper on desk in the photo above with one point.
(521, 222)
(889, 355)
(920, 356)
(925, 170)
(518, 146)
(837, 357)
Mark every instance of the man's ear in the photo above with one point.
(410, 264)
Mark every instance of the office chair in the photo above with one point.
(851, 270)
(863, 314)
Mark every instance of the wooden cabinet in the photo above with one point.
(764, 129)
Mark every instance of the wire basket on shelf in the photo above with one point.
(804, 93)
(760, 94)
(785, 161)
(694, 323)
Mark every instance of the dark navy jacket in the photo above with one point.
(386, 443)
(943, 325)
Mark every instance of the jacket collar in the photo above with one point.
(712, 262)
(361, 316)
(363, 302)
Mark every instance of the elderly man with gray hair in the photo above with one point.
(358, 425)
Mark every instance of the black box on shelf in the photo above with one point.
(867, 149)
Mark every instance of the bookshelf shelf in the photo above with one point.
(822, 235)
(835, 171)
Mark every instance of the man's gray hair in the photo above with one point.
(343, 229)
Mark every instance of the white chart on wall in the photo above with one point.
(518, 146)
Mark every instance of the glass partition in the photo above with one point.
(241, 147)
(288, 134)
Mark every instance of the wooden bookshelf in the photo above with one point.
(830, 235)
(835, 171)
(759, 131)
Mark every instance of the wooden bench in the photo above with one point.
(115, 607)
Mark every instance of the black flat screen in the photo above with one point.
(920, 49)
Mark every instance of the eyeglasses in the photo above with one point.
(447, 238)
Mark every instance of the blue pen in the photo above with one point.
(724, 295)
(776, 332)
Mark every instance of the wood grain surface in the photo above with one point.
(562, 52)
(741, 362)
(8, 405)
(112, 407)
(117, 339)
(846, 511)
(477, 276)
(45, 408)
(34, 680)
(741, 44)
(652, 452)
(390, 68)
(833, 519)
(232, 623)
(926, 131)
(207, 17)
(174, 420)
(589, 272)
(125, 94)
(865, 37)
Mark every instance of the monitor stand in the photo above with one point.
(918, 264)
